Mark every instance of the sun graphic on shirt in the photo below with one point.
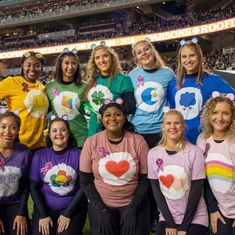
(36, 103)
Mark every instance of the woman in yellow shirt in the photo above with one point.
(25, 95)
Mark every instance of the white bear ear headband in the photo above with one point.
(166, 109)
(229, 95)
(64, 117)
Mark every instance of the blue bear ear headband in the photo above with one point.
(146, 40)
(193, 40)
(74, 50)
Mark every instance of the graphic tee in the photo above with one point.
(12, 169)
(115, 166)
(68, 99)
(175, 174)
(30, 100)
(220, 171)
(191, 97)
(58, 175)
(106, 89)
(151, 97)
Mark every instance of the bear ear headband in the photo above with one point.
(146, 40)
(183, 41)
(4, 110)
(74, 50)
(64, 117)
(166, 109)
(102, 43)
(118, 101)
(229, 95)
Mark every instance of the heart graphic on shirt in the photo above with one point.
(167, 180)
(117, 168)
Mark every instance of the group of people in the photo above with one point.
(103, 164)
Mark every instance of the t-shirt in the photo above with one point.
(151, 96)
(191, 97)
(68, 99)
(115, 166)
(58, 175)
(175, 174)
(104, 89)
(31, 102)
(12, 169)
(220, 171)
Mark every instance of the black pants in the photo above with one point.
(142, 219)
(227, 228)
(76, 225)
(152, 141)
(8, 213)
(194, 229)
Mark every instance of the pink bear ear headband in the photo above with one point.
(229, 95)
(118, 101)
(64, 117)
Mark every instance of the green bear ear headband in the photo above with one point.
(183, 41)
(74, 50)
(102, 43)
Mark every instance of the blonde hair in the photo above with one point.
(180, 69)
(92, 71)
(182, 143)
(207, 112)
(158, 61)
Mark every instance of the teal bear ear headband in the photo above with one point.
(102, 43)
(183, 41)
(74, 50)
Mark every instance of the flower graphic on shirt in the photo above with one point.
(60, 179)
(98, 97)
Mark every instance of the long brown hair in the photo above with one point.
(180, 69)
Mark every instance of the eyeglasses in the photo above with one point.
(74, 50)
(36, 54)
(193, 40)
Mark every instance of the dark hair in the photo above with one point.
(28, 54)
(128, 126)
(71, 140)
(17, 120)
(58, 73)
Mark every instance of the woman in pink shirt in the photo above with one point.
(113, 174)
(218, 143)
(176, 173)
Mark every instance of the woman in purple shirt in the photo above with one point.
(15, 161)
(60, 205)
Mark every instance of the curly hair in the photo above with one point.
(180, 69)
(92, 72)
(182, 142)
(58, 73)
(209, 108)
(158, 61)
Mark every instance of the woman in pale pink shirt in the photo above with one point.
(176, 172)
(218, 143)
(113, 174)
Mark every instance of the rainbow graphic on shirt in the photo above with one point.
(220, 172)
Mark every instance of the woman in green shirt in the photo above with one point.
(66, 94)
(106, 81)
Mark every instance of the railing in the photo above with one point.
(69, 12)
